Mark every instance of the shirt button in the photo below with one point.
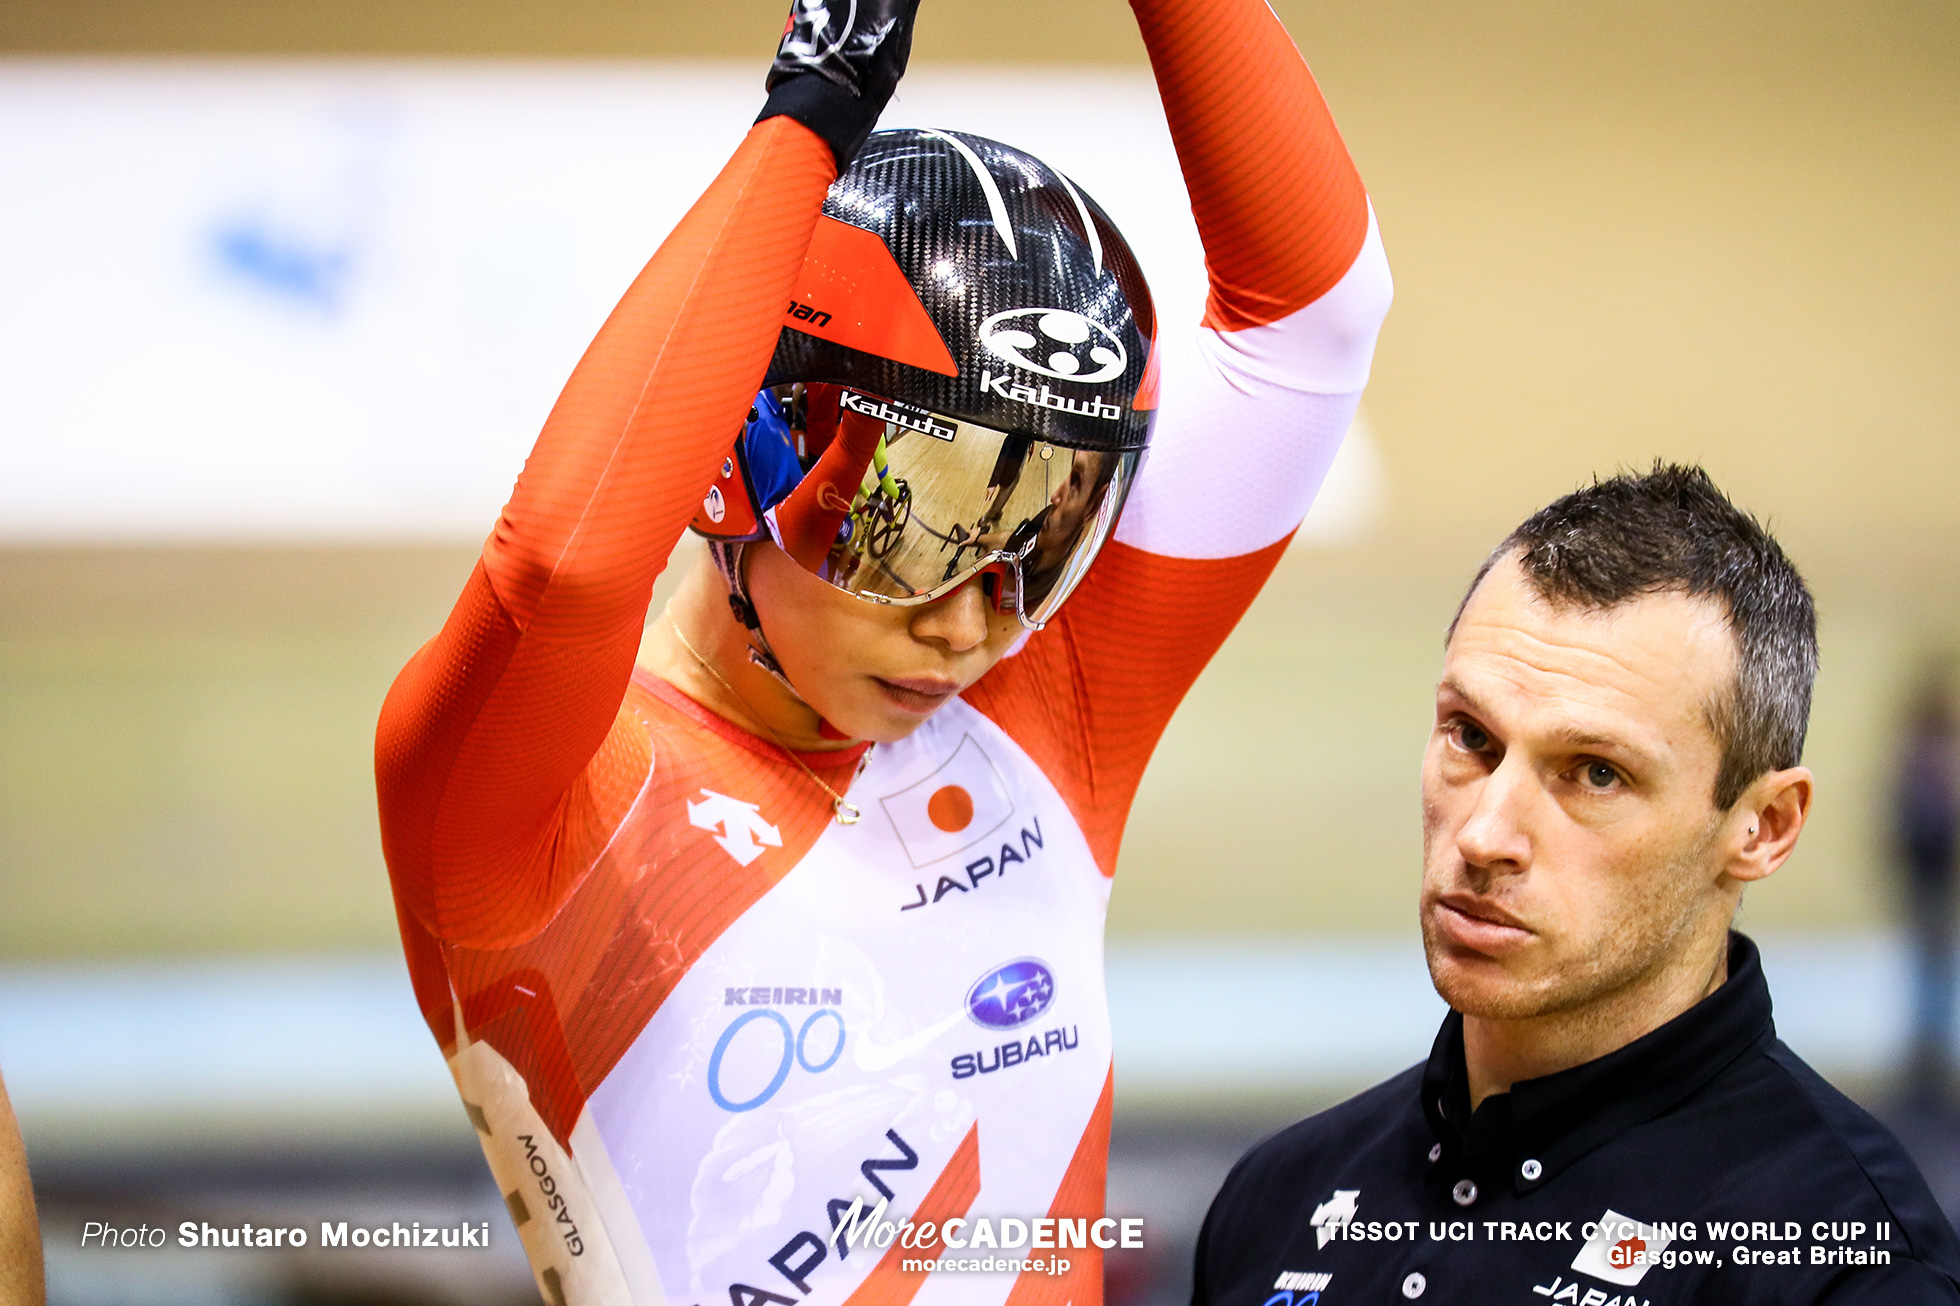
(1531, 1170)
(1435, 1151)
(1413, 1285)
(1464, 1193)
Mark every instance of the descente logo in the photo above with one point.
(1008, 388)
(900, 415)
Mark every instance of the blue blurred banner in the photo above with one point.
(322, 300)
(111, 1055)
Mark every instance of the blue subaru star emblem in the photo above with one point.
(1011, 995)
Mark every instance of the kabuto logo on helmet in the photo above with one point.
(959, 289)
(1068, 343)
(937, 246)
(903, 416)
(1021, 393)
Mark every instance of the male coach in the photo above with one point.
(1607, 1117)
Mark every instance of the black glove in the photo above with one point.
(837, 67)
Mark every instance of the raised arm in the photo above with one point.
(1298, 286)
(499, 770)
(1252, 404)
(1278, 203)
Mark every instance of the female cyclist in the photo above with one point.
(808, 911)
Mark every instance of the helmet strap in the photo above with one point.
(729, 557)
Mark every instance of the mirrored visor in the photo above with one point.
(902, 505)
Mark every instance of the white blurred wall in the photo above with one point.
(313, 300)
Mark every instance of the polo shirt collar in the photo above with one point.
(1558, 1118)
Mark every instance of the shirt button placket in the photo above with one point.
(1464, 1193)
(1413, 1285)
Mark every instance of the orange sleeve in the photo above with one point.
(499, 771)
(1283, 217)
(1278, 202)
(1089, 708)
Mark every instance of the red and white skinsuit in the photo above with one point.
(691, 1015)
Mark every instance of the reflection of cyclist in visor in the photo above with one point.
(698, 924)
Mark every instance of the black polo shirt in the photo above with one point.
(1621, 1182)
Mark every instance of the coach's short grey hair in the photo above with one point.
(1672, 529)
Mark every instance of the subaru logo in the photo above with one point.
(1011, 995)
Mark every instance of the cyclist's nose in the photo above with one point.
(959, 620)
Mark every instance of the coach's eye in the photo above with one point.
(1472, 736)
(1600, 776)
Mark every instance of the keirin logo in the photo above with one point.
(900, 415)
(794, 1049)
(1070, 345)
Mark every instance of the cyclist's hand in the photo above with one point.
(856, 47)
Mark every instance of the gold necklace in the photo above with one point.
(847, 813)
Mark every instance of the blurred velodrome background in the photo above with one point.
(286, 287)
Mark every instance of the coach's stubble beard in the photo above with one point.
(1662, 924)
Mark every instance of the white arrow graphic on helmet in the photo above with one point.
(996, 206)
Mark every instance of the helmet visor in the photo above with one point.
(904, 505)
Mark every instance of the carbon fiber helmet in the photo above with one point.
(993, 244)
(958, 295)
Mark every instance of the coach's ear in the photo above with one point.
(1763, 826)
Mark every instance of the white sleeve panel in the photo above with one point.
(1248, 421)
